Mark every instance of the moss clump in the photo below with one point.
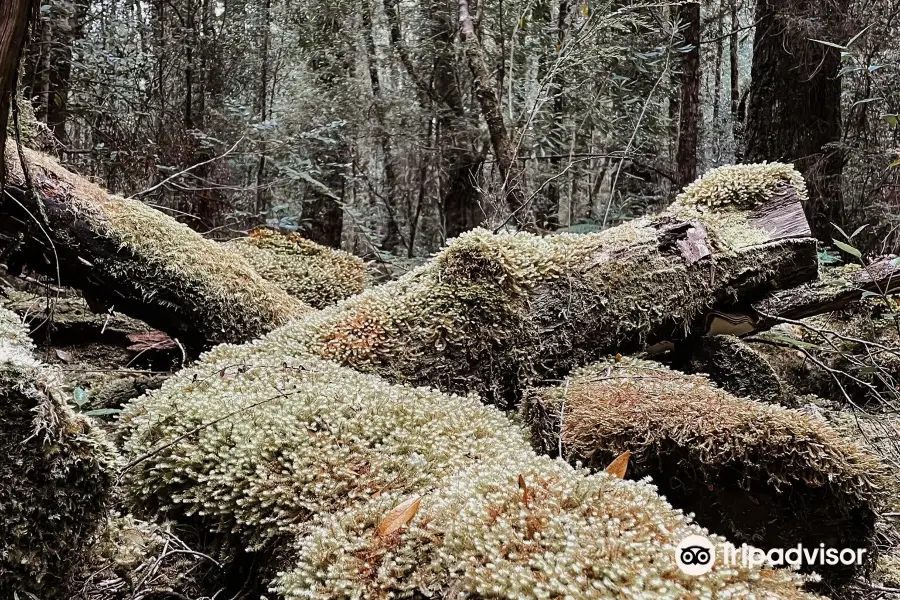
(301, 460)
(56, 473)
(758, 473)
(161, 270)
(315, 274)
(491, 313)
(741, 187)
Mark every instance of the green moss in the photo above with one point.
(314, 274)
(301, 460)
(755, 472)
(56, 470)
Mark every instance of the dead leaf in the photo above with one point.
(150, 340)
(524, 487)
(399, 516)
(619, 466)
(64, 356)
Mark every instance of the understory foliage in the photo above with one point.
(362, 489)
(56, 470)
(756, 472)
(314, 274)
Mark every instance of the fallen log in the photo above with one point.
(314, 274)
(353, 487)
(492, 313)
(56, 471)
(754, 472)
(122, 254)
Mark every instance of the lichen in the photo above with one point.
(314, 274)
(301, 459)
(56, 468)
(755, 472)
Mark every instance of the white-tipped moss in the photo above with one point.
(305, 458)
(314, 274)
(741, 187)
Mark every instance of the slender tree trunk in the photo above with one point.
(262, 204)
(391, 238)
(13, 22)
(737, 125)
(717, 88)
(501, 142)
(689, 119)
(794, 109)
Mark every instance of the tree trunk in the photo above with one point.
(129, 257)
(13, 22)
(737, 125)
(794, 111)
(485, 91)
(688, 130)
(391, 238)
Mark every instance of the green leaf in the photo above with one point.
(866, 101)
(80, 396)
(848, 248)
(102, 412)
(858, 229)
(843, 233)
(895, 262)
(856, 37)
(830, 44)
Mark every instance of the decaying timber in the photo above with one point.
(493, 312)
(757, 473)
(125, 255)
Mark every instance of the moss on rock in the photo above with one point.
(758, 473)
(315, 274)
(56, 472)
(302, 460)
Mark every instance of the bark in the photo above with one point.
(794, 108)
(13, 21)
(688, 130)
(126, 256)
(504, 150)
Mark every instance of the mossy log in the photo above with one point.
(345, 486)
(122, 254)
(314, 274)
(56, 472)
(758, 473)
(494, 312)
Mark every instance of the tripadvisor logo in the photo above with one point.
(695, 555)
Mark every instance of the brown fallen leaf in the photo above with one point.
(150, 340)
(399, 516)
(524, 487)
(619, 466)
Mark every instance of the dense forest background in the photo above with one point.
(389, 126)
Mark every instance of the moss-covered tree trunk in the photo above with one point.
(128, 257)
(794, 109)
